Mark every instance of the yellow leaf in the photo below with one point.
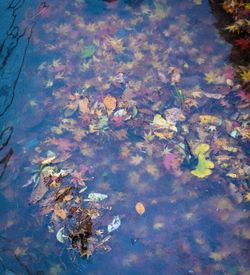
(140, 209)
(164, 134)
(201, 149)
(245, 73)
(232, 175)
(247, 196)
(205, 119)
(203, 169)
(159, 121)
(211, 77)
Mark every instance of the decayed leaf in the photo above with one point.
(110, 103)
(140, 209)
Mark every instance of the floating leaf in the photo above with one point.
(115, 224)
(140, 209)
(203, 169)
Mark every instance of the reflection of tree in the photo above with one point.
(5, 136)
(13, 48)
(14, 43)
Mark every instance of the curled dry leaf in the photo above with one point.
(140, 209)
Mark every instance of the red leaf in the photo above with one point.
(243, 43)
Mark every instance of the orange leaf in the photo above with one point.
(139, 207)
(109, 102)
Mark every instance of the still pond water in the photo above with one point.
(124, 140)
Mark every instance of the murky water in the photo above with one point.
(124, 140)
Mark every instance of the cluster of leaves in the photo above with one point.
(126, 96)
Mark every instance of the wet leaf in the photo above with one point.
(139, 207)
(203, 169)
(110, 103)
(88, 51)
(60, 235)
(115, 224)
(61, 213)
(95, 197)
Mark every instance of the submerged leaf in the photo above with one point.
(59, 235)
(109, 103)
(115, 224)
(140, 209)
(97, 197)
(88, 51)
(159, 121)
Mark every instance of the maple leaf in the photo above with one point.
(218, 256)
(244, 95)
(125, 151)
(233, 28)
(116, 44)
(245, 73)
(153, 170)
(63, 29)
(138, 55)
(211, 77)
(56, 63)
(136, 160)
